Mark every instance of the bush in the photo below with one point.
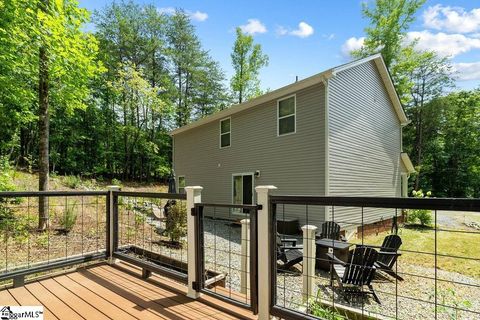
(73, 182)
(6, 180)
(176, 222)
(68, 220)
(422, 216)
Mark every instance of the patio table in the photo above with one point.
(340, 250)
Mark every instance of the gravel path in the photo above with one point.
(415, 298)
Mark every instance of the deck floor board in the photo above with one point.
(107, 292)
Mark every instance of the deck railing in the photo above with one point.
(76, 233)
(435, 274)
(439, 262)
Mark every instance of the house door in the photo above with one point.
(243, 188)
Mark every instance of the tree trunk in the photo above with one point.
(43, 136)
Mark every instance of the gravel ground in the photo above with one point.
(415, 294)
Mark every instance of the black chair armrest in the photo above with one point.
(387, 253)
(335, 260)
(292, 241)
(292, 247)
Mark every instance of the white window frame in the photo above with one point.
(221, 134)
(294, 114)
(185, 180)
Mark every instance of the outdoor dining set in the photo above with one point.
(353, 269)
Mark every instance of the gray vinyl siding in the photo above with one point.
(364, 142)
(294, 163)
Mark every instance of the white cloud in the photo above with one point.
(304, 30)
(330, 36)
(253, 26)
(351, 44)
(452, 19)
(467, 71)
(444, 44)
(196, 16)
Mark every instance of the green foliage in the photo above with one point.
(422, 216)
(73, 182)
(176, 222)
(448, 297)
(69, 218)
(247, 60)
(389, 22)
(323, 312)
(6, 180)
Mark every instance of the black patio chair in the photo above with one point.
(357, 273)
(388, 255)
(330, 230)
(290, 254)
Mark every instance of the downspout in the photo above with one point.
(325, 82)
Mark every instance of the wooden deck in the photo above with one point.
(106, 292)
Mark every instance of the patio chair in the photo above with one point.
(388, 254)
(331, 230)
(357, 273)
(291, 254)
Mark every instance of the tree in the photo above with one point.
(191, 66)
(453, 164)
(389, 21)
(247, 60)
(66, 64)
(427, 76)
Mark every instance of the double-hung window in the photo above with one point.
(286, 116)
(225, 133)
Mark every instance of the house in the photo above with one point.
(337, 133)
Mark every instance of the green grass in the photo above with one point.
(448, 243)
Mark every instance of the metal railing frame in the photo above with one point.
(19, 273)
(199, 253)
(434, 204)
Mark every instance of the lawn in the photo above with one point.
(458, 244)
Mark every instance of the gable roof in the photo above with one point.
(305, 83)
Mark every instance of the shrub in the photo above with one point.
(422, 216)
(323, 312)
(69, 218)
(116, 182)
(6, 180)
(176, 222)
(73, 182)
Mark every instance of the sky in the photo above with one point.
(305, 37)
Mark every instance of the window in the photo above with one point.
(181, 184)
(286, 116)
(225, 133)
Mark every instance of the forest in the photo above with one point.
(100, 103)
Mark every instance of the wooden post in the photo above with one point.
(263, 238)
(245, 258)
(194, 195)
(308, 272)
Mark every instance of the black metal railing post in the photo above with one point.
(112, 222)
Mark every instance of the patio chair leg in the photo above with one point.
(393, 274)
(374, 294)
